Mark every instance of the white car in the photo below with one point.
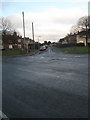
(43, 48)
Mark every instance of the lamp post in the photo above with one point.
(33, 34)
(86, 25)
(23, 28)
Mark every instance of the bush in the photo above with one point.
(88, 44)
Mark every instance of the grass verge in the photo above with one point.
(76, 50)
(16, 52)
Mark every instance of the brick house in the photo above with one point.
(70, 39)
(80, 37)
(11, 40)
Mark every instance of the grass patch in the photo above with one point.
(15, 52)
(76, 50)
(11, 52)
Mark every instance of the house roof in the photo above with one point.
(83, 33)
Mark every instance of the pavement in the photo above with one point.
(50, 84)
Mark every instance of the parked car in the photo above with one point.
(43, 48)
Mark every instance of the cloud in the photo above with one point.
(51, 23)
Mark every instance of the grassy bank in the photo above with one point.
(16, 52)
(76, 50)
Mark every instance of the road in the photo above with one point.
(51, 84)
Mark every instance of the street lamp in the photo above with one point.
(23, 28)
(86, 25)
(33, 34)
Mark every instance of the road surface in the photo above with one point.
(51, 84)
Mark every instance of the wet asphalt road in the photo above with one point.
(51, 84)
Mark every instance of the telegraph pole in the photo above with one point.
(33, 34)
(23, 28)
(32, 31)
(86, 32)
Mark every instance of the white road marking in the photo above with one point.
(77, 56)
(41, 57)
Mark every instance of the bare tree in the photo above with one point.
(83, 22)
(5, 24)
(74, 29)
(81, 25)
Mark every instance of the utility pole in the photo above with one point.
(86, 32)
(23, 28)
(89, 14)
(33, 34)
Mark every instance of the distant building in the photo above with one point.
(11, 40)
(80, 37)
(70, 39)
(62, 40)
(53, 43)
